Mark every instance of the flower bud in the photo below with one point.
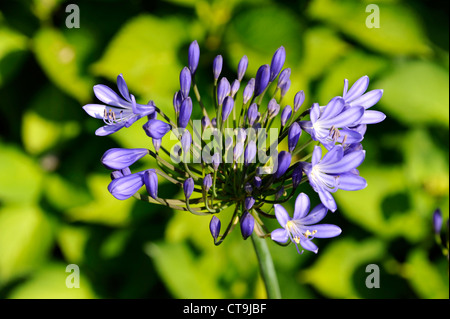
(228, 105)
(207, 182)
(297, 174)
(186, 141)
(217, 67)
(250, 152)
(238, 150)
(151, 183)
(185, 82)
(285, 88)
(298, 100)
(252, 113)
(193, 56)
(185, 112)
(205, 122)
(262, 79)
(277, 63)
(216, 161)
(248, 91)
(156, 144)
(284, 77)
(188, 187)
(257, 181)
(273, 108)
(249, 202)
(118, 158)
(247, 224)
(279, 193)
(234, 88)
(242, 67)
(286, 114)
(177, 100)
(126, 186)
(248, 188)
(156, 128)
(437, 221)
(284, 160)
(294, 134)
(223, 89)
(214, 227)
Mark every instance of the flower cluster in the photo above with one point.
(244, 152)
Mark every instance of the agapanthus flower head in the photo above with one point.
(243, 154)
(118, 112)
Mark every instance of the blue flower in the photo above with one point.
(328, 125)
(303, 227)
(336, 170)
(120, 158)
(118, 112)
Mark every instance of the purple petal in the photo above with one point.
(345, 87)
(316, 215)
(372, 117)
(277, 63)
(108, 96)
(327, 200)
(279, 235)
(333, 156)
(309, 245)
(351, 182)
(301, 206)
(350, 136)
(368, 99)
(123, 88)
(346, 164)
(109, 129)
(357, 89)
(333, 108)
(315, 112)
(324, 230)
(98, 110)
(346, 118)
(281, 214)
(317, 155)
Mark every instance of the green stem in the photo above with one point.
(266, 267)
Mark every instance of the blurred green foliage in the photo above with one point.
(54, 206)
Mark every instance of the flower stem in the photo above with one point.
(266, 267)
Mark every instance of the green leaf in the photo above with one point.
(427, 280)
(61, 61)
(72, 240)
(416, 92)
(25, 240)
(400, 30)
(333, 271)
(12, 52)
(177, 266)
(50, 283)
(21, 176)
(386, 206)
